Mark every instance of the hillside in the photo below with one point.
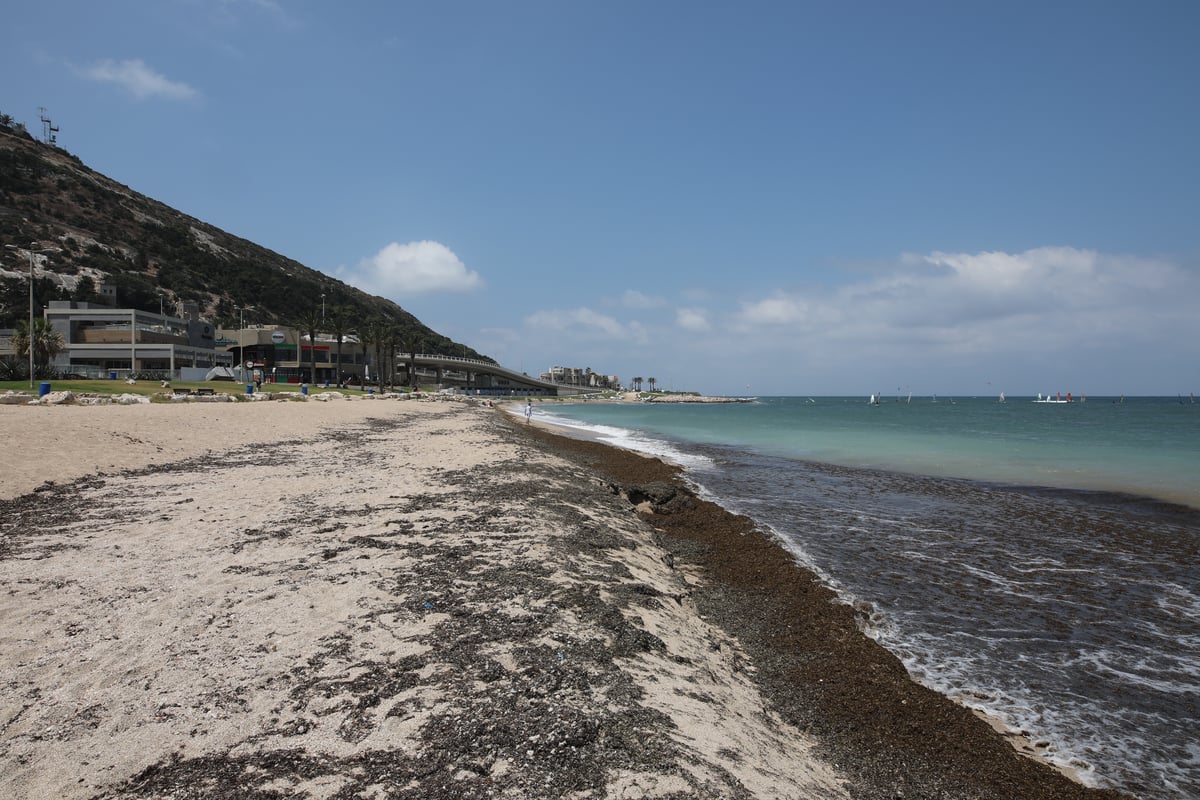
(157, 256)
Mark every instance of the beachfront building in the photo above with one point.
(105, 342)
(279, 354)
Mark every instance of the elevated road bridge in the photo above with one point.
(484, 376)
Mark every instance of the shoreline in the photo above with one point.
(1021, 742)
(1106, 486)
(368, 597)
(756, 582)
(396, 600)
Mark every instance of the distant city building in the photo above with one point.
(575, 376)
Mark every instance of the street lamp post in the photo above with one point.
(29, 333)
(241, 346)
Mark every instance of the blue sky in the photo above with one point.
(763, 197)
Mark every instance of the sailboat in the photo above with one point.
(1002, 400)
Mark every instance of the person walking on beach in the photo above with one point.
(528, 410)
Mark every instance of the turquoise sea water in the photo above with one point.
(1040, 562)
(1148, 446)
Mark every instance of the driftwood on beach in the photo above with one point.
(427, 600)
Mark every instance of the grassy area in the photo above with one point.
(228, 387)
(154, 387)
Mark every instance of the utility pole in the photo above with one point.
(241, 347)
(32, 248)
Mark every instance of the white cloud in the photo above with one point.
(566, 335)
(635, 299)
(581, 321)
(412, 268)
(1041, 300)
(692, 319)
(1027, 321)
(134, 76)
(777, 310)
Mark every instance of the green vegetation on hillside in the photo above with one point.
(105, 232)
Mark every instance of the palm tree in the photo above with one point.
(637, 383)
(47, 343)
(391, 341)
(366, 338)
(339, 326)
(652, 382)
(308, 322)
(413, 343)
(372, 335)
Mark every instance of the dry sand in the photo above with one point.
(354, 599)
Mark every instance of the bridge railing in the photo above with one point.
(437, 357)
(487, 365)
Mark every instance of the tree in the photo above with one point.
(412, 343)
(14, 301)
(366, 335)
(652, 381)
(85, 290)
(372, 335)
(309, 321)
(390, 345)
(339, 326)
(47, 343)
(637, 383)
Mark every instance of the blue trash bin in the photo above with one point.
(304, 389)
(249, 388)
(112, 376)
(43, 388)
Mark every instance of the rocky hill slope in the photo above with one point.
(157, 257)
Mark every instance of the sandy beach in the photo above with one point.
(427, 599)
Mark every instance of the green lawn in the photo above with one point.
(154, 387)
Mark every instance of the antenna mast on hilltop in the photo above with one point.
(48, 128)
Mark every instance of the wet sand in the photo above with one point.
(428, 599)
(891, 736)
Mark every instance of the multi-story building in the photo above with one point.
(101, 341)
(574, 376)
(282, 355)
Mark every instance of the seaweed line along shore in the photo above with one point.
(428, 599)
